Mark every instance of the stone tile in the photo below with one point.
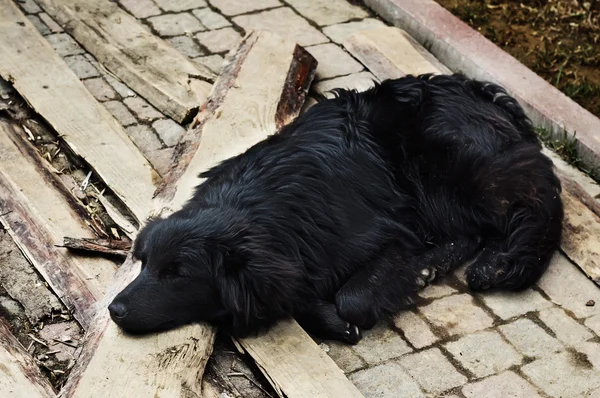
(507, 384)
(100, 89)
(186, 45)
(308, 103)
(592, 351)
(381, 343)
(457, 315)
(386, 381)
(594, 324)
(562, 375)
(221, 40)
(328, 12)
(51, 23)
(120, 112)
(333, 61)
(81, 66)
(510, 304)
(180, 5)
(39, 24)
(437, 291)
(236, 7)
(144, 138)
(358, 81)
(530, 339)
(64, 45)
(175, 24)
(343, 355)
(284, 22)
(432, 370)
(168, 131)
(119, 87)
(141, 8)
(561, 275)
(160, 159)
(212, 62)
(484, 353)
(142, 109)
(338, 33)
(29, 6)
(211, 19)
(415, 329)
(566, 328)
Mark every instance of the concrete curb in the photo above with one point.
(465, 50)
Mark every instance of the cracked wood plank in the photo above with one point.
(162, 75)
(62, 100)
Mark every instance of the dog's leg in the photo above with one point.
(389, 283)
(322, 319)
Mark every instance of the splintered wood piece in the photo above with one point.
(245, 107)
(37, 211)
(105, 246)
(56, 93)
(151, 67)
(21, 377)
(390, 53)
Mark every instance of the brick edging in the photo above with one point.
(465, 50)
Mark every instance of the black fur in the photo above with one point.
(348, 211)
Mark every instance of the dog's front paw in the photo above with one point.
(352, 334)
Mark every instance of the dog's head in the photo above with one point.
(207, 267)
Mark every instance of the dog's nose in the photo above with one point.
(117, 310)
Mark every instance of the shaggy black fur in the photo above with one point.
(345, 213)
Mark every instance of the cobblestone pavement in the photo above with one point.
(543, 342)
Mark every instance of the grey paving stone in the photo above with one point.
(64, 45)
(50, 23)
(141, 8)
(186, 45)
(119, 87)
(284, 22)
(100, 89)
(556, 283)
(144, 138)
(344, 356)
(120, 112)
(457, 315)
(386, 381)
(566, 328)
(212, 62)
(211, 19)
(530, 339)
(29, 6)
(504, 385)
(510, 304)
(81, 66)
(381, 343)
(594, 324)
(180, 5)
(176, 24)
(562, 375)
(358, 81)
(142, 109)
(221, 40)
(437, 290)
(338, 33)
(169, 132)
(328, 12)
(160, 159)
(592, 352)
(432, 371)
(39, 24)
(236, 7)
(415, 329)
(333, 61)
(484, 353)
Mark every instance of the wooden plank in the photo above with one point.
(261, 88)
(37, 211)
(144, 62)
(390, 53)
(20, 376)
(59, 97)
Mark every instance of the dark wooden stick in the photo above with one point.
(106, 246)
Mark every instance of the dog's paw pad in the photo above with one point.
(352, 334)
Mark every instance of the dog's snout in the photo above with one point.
(117, 310)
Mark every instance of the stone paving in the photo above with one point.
(544, 342)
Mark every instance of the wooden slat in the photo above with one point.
(262, 87)
(53, 90)
(38, 210)
(390, 53)
(147, 64)
(19, 375)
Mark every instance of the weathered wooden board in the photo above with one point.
(262, 87)
(390, 53)
(19, 375)
(53, 90)
(38, 210)
(147, 64)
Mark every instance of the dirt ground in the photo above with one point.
(558, 39)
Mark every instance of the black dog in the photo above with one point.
(348, 211)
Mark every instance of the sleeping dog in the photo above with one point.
(344, 214)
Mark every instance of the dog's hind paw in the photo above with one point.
(353, 334)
